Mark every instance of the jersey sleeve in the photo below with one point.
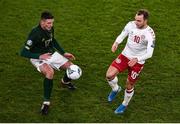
(150, 47)
(123, 34)
(26, 50)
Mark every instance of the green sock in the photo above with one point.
(48, 85)
(66, 79)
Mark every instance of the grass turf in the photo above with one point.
(87, 28)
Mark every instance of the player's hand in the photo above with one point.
(69, 56)
(132, 62)
(45, 56)
(114, 47)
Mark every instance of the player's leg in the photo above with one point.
(117, 66)
(128, 94)
(66, 81)
(57, 61)
(111, 76)
(129, 91)
(48, 72)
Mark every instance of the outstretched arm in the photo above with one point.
(61, 50)
(58, 47)
(120, 38)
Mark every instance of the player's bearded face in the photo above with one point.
(47, 24)
(140, 22)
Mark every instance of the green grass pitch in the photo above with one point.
(87, 28)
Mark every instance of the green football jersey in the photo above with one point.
(39, 42)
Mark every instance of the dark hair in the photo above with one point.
(143, 12)
(46, 15)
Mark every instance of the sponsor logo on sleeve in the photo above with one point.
(29, 42)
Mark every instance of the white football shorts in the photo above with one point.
(56, 61)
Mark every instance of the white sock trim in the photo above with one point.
(113, 84)
(46, 102)
(131, 90)
(64, 82)
(128, 96)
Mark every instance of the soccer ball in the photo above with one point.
(74, 72)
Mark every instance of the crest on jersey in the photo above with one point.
(143, 37)
(118, 60)
(29, 42)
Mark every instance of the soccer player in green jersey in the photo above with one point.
(46, 55)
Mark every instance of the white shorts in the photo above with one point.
(56, 61)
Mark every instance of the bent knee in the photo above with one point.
(110, 76)
(111, 73)
(50, 74)
(129, 85)
(47, 71)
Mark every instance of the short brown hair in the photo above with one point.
(143, 12)
(46, 15)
